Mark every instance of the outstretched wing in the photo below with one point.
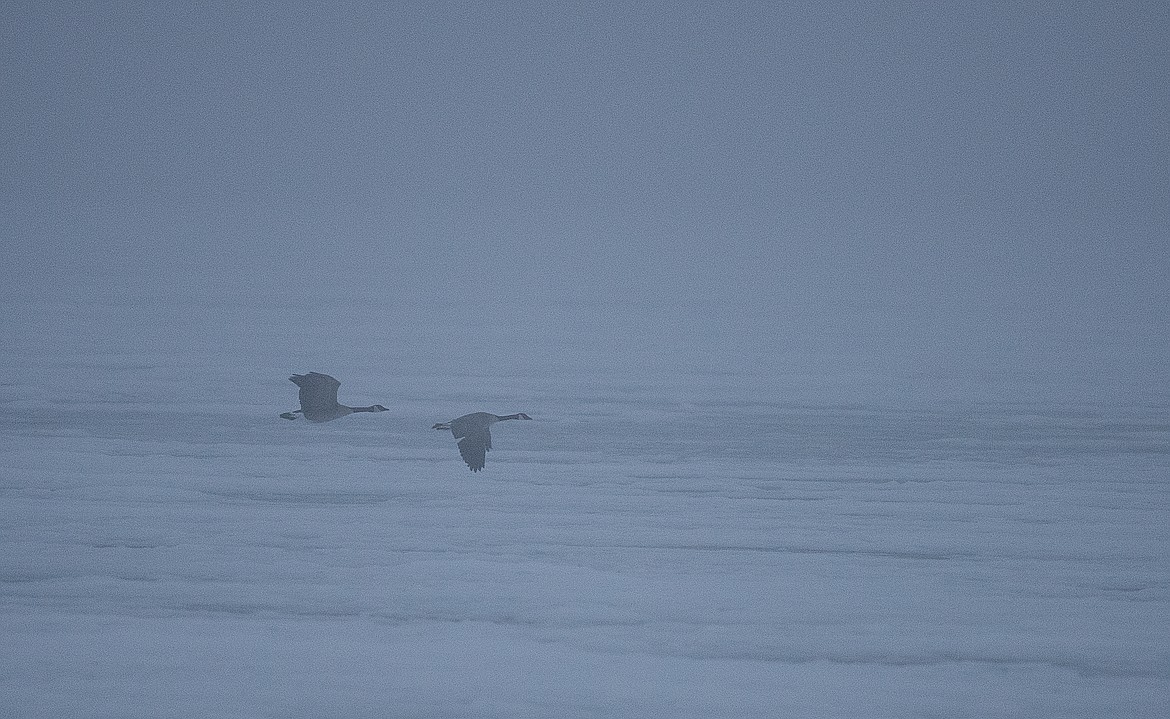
(473, 449)
(318, 392)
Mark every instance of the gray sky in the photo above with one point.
(983, 178)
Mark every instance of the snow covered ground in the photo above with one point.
(665, 539)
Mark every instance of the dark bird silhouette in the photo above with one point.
(318, 393)
(473, 435)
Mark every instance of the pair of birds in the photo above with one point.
(318, 395)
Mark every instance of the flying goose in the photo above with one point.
(473, 436)
(319, 399)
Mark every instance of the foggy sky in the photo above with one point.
(988, 180)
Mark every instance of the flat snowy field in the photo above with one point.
(663, 540)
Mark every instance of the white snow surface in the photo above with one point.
(669, 538)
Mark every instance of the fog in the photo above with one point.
(652, 208)
(894, 180)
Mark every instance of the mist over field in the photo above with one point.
(842, 329)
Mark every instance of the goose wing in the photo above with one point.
(473, 448)
(318, 392)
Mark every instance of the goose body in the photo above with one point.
(473, 435)
(318, 395)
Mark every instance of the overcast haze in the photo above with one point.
(842, 328)
(874, 178)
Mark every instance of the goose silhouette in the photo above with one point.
(473, 435)
(318, 395)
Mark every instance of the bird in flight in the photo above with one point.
(318, 394)
(473, 435)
